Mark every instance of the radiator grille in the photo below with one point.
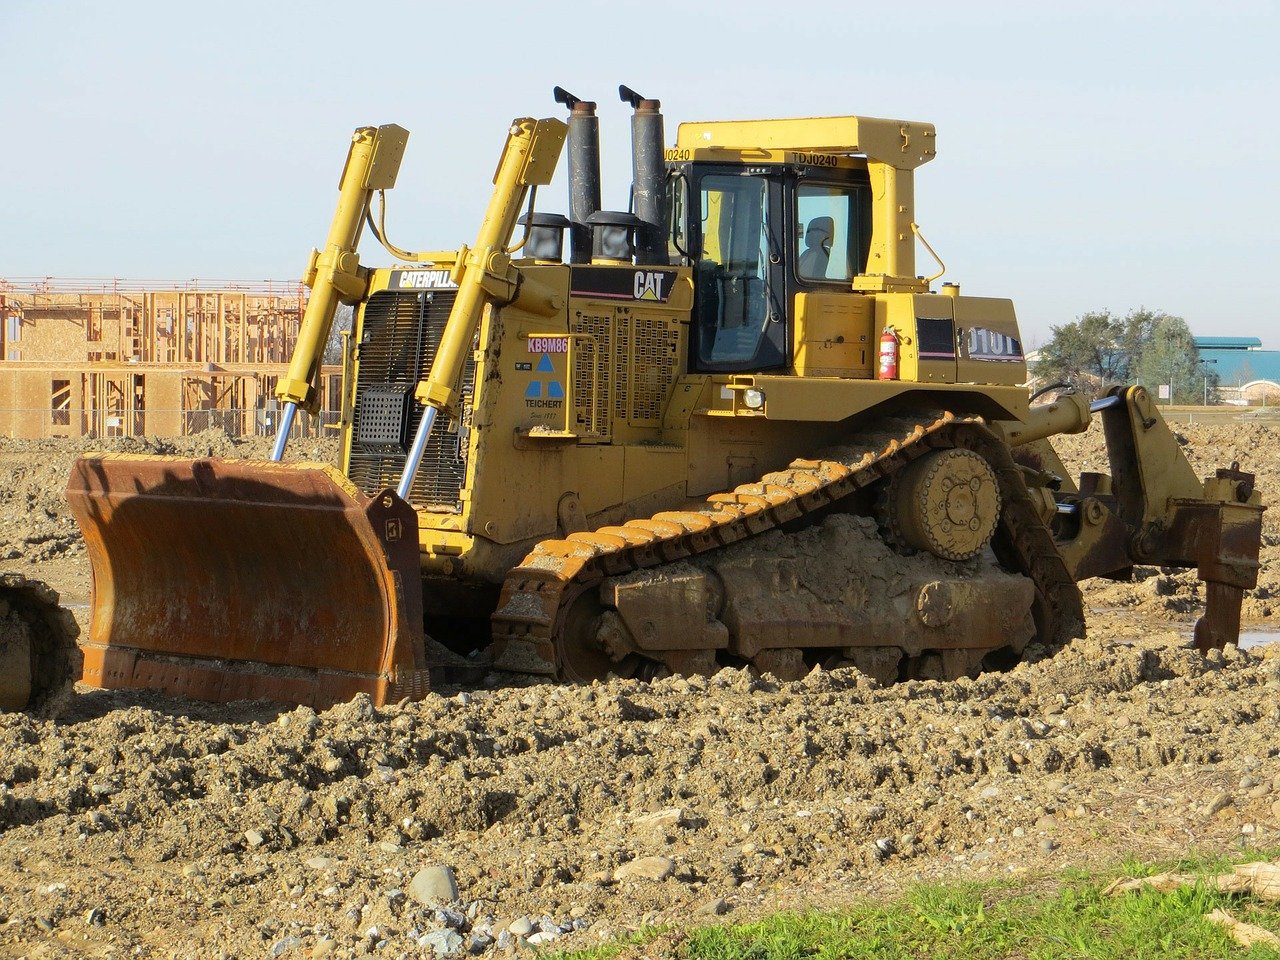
(399, 339)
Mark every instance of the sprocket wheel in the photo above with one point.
(947, 502)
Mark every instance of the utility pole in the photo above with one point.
(1206, 381)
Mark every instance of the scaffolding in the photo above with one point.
(127, 358)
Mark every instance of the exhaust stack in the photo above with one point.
(648, 175)
(584, 171)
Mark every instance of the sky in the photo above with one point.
(1091, 156)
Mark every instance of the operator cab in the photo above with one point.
(756, 236)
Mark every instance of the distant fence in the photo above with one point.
(32, 423)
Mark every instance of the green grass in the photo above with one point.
(1069, 919)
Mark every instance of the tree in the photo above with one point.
(1090, 352)
(333, 346)
(1170, 356)
(1099, 349)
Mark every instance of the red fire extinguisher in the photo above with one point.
(888, 355)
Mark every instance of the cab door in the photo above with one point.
(739, 314)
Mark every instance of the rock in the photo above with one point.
(1019, 832)
(434, 885)
(520, 927)
(884, 848)
(544, 936)
(477, 943)
(660, 819)
(95, 916)
(450, 918)
(647, 868)
(1048, 845)
(713, 908)
(386, 846)
(322, 863)
(1219, 803)
(281, 947)
(254, 838)
(443, 943)
(324, 949)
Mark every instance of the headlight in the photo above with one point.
(753, 398)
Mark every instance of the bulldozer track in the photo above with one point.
(537, 593)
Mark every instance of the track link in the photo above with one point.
(537, 594)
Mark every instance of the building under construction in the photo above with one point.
(126, 358)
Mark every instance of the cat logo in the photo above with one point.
(649, 283)
(422, 280)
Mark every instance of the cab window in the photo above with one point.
(830, 241)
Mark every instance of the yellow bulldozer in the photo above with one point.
(731, 425)
(39, 660)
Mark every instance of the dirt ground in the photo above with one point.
(139, 825)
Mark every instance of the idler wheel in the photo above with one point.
(948, 503)
(584, 650)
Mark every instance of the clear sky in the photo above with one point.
(1091, 155)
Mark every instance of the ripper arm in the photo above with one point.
(1153, 509)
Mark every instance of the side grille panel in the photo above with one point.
(636, 366)
(654, 341)
(600, 327)
(399, 339)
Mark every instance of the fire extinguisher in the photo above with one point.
(888, 355)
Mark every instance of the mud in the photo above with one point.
(139, 825)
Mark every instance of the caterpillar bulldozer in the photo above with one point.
(731, 425)
(39, 660)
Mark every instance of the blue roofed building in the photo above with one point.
(1246, 372)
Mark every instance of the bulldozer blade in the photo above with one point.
(234, 579)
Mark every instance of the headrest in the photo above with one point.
(826, 226)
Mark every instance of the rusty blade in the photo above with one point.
(225, 580)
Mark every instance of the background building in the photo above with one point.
(127, 358)
(1246, 373)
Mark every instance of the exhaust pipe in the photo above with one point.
(584, 171)
(649, 174)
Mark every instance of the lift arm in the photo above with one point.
(528, 160)
(334, 274)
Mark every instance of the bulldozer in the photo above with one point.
(731, 425)
(39, 659)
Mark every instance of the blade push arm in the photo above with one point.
(334, 274)
(528, 160)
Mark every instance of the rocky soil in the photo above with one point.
(494, 818)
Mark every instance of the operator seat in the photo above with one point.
(817, 242)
